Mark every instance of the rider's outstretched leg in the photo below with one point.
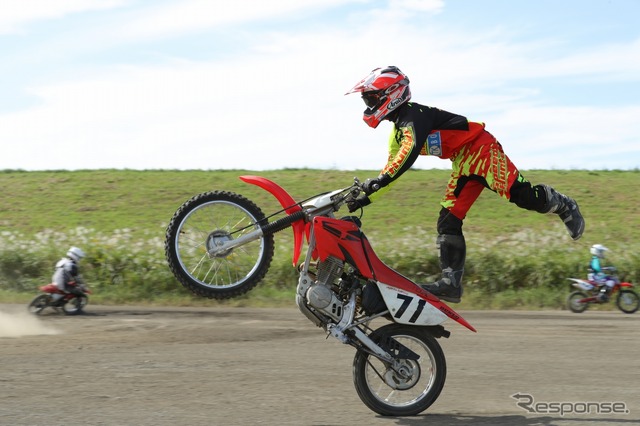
(567, 208)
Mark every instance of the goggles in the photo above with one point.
(373, 99)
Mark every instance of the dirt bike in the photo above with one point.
(627, 300)
(72, 303)
(220, 245)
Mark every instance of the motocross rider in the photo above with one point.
(596, 271)
(67, 271)
(478, 162)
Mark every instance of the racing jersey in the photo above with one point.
(424, 130)
(66, 271)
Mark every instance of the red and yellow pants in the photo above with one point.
(483, 164)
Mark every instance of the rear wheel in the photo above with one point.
(574, 304)
(628, 301)
(209, 220)
(418, 383)
(38, 304)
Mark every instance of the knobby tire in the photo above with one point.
(76, 305)
(38, 304)
(416, 398)
(628, 296)
(572, 302)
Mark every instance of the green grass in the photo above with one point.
(516, 258)
(144, 201)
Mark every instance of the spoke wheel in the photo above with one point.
(574, 304)
(205, 222)
(410, 389)
(628, 301)
(38, 304)
(76, 305)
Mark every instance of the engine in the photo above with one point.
(320, 294)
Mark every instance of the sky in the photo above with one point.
(260, 85)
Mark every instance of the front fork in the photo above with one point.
(223, 246)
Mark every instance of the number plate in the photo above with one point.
(409, 308)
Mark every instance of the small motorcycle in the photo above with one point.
(627, 300)
(70, 303)
(220, 245)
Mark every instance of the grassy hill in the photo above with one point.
(401, 225)
(144, 201)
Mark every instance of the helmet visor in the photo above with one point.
(373, 99)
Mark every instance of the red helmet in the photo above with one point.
(383, 90)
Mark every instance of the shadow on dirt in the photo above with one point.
(464, 420)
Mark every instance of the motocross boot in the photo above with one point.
(452, 252)
(567, 209)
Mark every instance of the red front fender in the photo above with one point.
(287, 203)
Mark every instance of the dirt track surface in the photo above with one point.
(237, 366)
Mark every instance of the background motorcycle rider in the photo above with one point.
(596, 271)
(67, 271)
(478, 162)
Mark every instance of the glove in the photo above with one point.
(371, 185)
(358, 203)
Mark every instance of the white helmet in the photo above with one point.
(75, 254)
(598, 250)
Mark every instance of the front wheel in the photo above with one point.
(209, 220)
(574, 304)
(628, 301)
(76, 305)
(416, 386)
(38, 304)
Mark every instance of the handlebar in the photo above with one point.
(353, 191)
(321, 204)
